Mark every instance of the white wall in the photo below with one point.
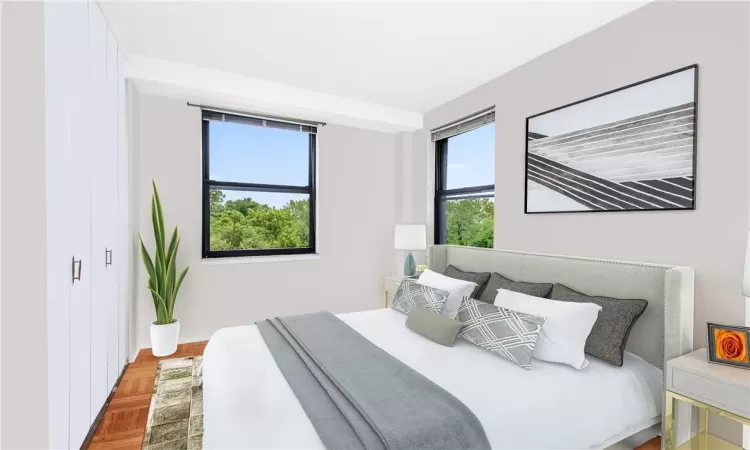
(24, 296)
(133, 251)
(356, 192)
(655, 39)
(1, 210)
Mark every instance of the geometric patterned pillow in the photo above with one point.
(510, 334)
(411, 294)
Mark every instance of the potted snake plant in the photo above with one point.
(163, 281)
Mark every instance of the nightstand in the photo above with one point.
(711, 388)
(391, 286)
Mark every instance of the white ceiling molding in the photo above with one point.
(406, 55)
(230, 90)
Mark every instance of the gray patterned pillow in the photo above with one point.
(411, 294)
(498, 281)
(610, 333)
(480, 278)
(510, 334)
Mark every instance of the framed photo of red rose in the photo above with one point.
(728, 345)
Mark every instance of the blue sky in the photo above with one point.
(253, 154)
(267, 155)
(471, 158)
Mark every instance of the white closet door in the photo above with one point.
(112, 267)
(57, 123)
(79, 225)
(97, 66)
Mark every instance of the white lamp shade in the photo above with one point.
(410, 237)
(746, 278)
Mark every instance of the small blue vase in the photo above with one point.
(410, 267)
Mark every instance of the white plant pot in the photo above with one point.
(164, 338)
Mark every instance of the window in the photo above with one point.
(258, 186)
(465, 183)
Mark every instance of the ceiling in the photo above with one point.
(407, 56)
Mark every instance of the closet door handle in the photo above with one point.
(107, 257)
(76, 274)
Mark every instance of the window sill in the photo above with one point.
(259, 259)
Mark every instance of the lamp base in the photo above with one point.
(410, 267)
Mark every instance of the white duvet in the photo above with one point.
(248, 404)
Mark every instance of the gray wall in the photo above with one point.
(356, 190)
(24, 229)
(655, 39)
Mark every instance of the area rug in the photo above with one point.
(175, 419)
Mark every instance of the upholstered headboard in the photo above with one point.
(665, 330)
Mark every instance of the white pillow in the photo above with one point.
(457, 288)
(564, 334)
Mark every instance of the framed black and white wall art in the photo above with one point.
(630, 149)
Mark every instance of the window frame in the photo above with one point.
(443, 195)
(208, 184)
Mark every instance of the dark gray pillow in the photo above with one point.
(435, 327)
(610, 333)
(498, 281)
(480, 278)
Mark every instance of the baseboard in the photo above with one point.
(181, 341)
(100, 416)
(134, 355)
(192, 339)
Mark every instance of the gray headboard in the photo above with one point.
(665, 330)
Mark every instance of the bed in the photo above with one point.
(248, 404)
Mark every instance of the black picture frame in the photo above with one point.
(712, 358)
(690, 207)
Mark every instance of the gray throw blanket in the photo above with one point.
(357, 396)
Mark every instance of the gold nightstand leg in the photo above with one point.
(670, 423)
(702, 439)
(703, 428)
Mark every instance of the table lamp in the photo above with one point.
(410, 237)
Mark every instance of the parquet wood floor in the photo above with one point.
(124, 423)
(653, 444)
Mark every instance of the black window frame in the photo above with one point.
(443, 195)
(208, 184)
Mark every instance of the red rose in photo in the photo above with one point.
(731, 345)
